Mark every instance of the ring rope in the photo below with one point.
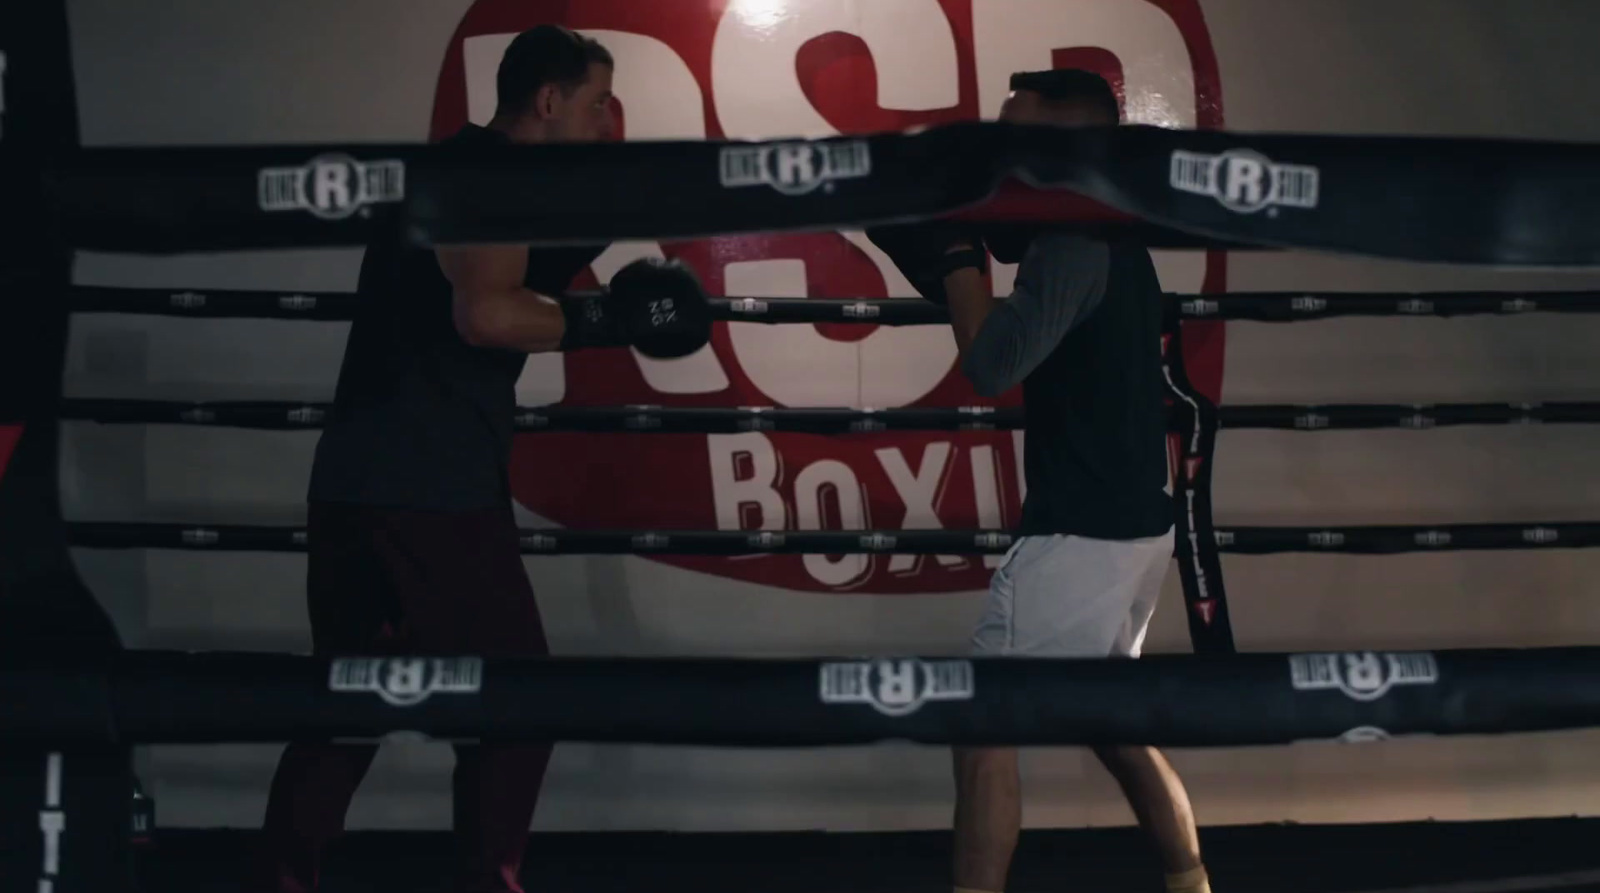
(1253, 306)
(288, 415)
(1367, 540)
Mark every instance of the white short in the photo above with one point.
(1070, 596)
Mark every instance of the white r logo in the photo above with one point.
(330, 186)
(897, 682)
(405, 679)
(795, 166)
(1243, 176)
(1364, 672)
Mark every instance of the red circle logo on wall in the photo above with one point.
(764, 69)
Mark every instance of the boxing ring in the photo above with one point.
(77, 702)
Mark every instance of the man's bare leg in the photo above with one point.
(988, 816)
(1162, 807)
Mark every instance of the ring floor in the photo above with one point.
(1525, 856)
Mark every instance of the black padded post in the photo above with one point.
(64, 809)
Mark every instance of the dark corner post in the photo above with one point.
(64, 804)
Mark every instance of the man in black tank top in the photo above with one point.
(413, 548)
(1081, 333)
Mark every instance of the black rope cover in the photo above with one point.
(1171, 700)
(1394, 197)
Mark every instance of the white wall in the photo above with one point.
(295, 70)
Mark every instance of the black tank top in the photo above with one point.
(1094, 453)
(420, 418)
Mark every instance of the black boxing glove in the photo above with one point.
(657, 306)
(921, 251)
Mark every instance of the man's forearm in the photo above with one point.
(512, 319)
(969, 303)
(972, 309)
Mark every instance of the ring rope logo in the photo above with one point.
(896, 686)
(766, 539)
(406, 681)
(1245, 182)
(539, 542)
(1363, 735)
(1362, 675)
(1325, 539)
(199, 536)
(795, 168)
(1433, 538)
(331, 187)
(993, 541)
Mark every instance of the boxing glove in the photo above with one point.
(657, 306)
(921, 251)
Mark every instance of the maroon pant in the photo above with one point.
(383, 581)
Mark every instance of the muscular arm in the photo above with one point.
(1061, 280)
(490, 305)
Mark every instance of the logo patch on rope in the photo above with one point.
(407, 681)
(766, 539)
(1245, 182)
(1540, 536)
(896, 686)
(1325, 539)
(331, 187)
(1363, 735)
(1362, 675)
(795, 168)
